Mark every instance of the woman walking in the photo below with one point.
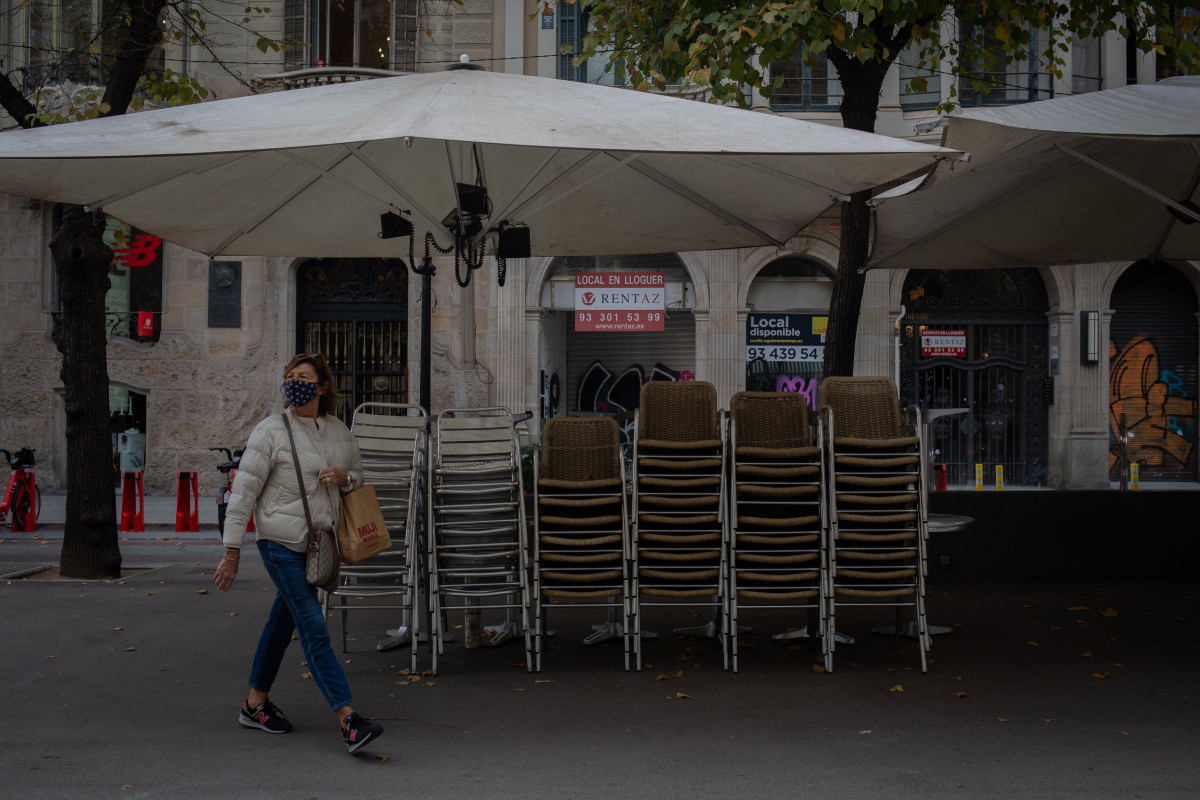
(268, 487)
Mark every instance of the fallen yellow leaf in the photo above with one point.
(818, 668)
(1087, 654)
(960, 695)
(1032, 643)
(429, 683)
(1109, 612)
(306, 675)
(118, 629)
(1101, 675)
(662, 676)
(897, 688)
(1001, 719)
(682, 696)
(414, 677)
(382, 758)
(130, 649)
(202, 591)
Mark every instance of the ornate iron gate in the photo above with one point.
(991, 360)
(355, 312)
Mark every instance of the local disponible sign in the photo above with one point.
(786, 337)
(619, 301)
(943, 343)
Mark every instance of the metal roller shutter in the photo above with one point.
(1153, 372)
(615, 379)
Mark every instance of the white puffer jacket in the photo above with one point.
(266, 480)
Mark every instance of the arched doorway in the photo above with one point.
(355, 312)
(977, 339)
(787, 313)
(1153, 373)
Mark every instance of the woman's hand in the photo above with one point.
(332, 476)
(227, 570)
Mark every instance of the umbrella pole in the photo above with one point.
(426, 325)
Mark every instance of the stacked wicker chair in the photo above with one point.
(395, 454)
(581, 544)
(478, 552)
(877, 498)
(679, 529)
(777, 544)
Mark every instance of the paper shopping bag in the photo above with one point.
(362, 532)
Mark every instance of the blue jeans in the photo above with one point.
(296, 608)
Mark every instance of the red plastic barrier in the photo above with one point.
(939, 477)
(187, 503)
(133, 503)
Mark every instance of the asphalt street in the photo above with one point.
(131, 689)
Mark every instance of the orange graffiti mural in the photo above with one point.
(1136, 389)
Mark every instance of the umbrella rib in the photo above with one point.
(1016, 190)
(1130, 180)
(433, 223)
(272, 212)
(1171, 220)
(520, 212)
(504, 212)
(712, 208)
(764, 169)
(158, 181)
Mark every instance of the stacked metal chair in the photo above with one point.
(478, 547)
(777, 542)
(876, 490)
(679, 531)
(393, 440)
(581, 547)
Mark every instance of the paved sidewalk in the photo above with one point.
(130, 689)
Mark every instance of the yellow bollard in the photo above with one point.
(1133, 476)
(999, 477)
(979, 477)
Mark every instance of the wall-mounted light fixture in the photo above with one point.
(1089, 337)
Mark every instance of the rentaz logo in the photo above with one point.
(588, 298)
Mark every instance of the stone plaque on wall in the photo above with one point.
(225, 294)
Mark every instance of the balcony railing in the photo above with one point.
(319, 76)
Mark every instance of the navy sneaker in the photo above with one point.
(265, 716)
(359, 731)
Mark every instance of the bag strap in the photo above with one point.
(312, 542)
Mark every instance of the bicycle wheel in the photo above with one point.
(21, 508)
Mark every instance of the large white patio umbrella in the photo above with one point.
(589, 170)
(1103, 176)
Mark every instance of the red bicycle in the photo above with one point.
(22, 497)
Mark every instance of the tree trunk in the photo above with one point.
(861, 84)
(845, 305)
(90, 548)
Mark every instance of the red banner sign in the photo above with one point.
(943, 343)
(620, 301)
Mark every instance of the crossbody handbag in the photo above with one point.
(321, 560)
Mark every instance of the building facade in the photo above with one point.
(1068, 373)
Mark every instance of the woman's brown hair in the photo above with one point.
(328, 402)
